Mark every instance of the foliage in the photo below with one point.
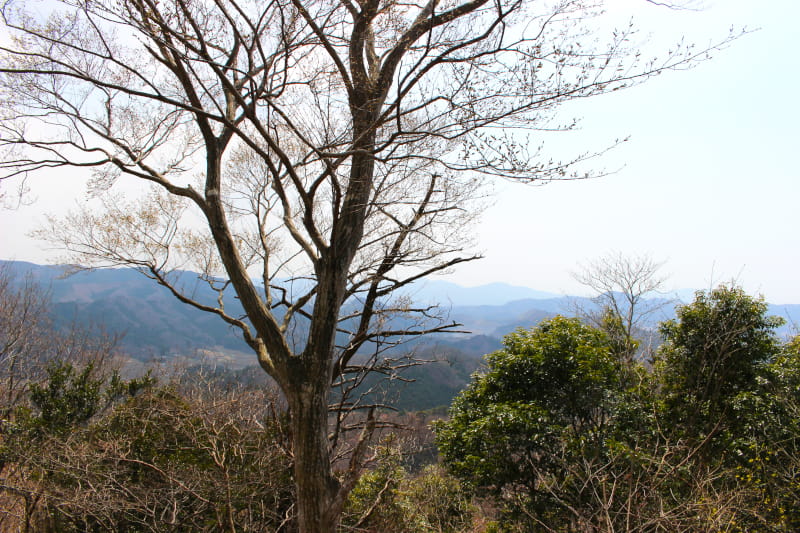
(84, 449)
(713, 352)
(162, 461)
(390, 499)
(373, 504)
(70, 398)
(768, 444)
(544, 401)
(560, 432)
(567, 434)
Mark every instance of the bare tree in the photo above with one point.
(333, 148)
(23, 319)
(627, 289)
(161, 461)
(29, 340)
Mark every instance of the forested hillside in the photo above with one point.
(154, 327)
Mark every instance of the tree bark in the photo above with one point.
(316, 486)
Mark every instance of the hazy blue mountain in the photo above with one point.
(122, 301)
(155, 323)
(450, 294)
(476, 345)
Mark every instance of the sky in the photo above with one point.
(707, 183)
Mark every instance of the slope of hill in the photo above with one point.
(156, 325)
(124, 301)
(121, 301)
(451, 294)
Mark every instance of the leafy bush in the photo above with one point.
(565, 433)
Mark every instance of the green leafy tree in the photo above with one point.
(373, 504)
(391, 499)
(768, 445)
(70, 396)
(544, 401)
(727, 389)
(713, 352)
(569, 437)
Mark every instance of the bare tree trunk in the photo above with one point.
(318, 495)
(316, 487)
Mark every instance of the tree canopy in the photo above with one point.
(546, 397)
(567, 433)
(714, 351)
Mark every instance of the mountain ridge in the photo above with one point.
(155, 322)
(155, 326)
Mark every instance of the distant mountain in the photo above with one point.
(156, 324)
(447, 293)
(122, 301)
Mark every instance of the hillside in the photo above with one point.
(156, 326)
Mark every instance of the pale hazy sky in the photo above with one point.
(708, 181)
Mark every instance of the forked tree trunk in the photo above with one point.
(320, 497)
